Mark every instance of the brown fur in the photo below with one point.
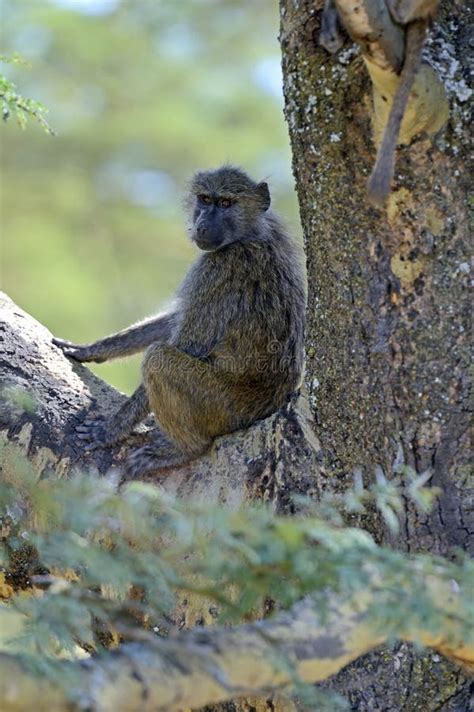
(231, 350)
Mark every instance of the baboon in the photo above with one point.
(230, 350)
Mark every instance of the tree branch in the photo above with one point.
(202, 667)
(44, 395)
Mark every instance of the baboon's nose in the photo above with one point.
(202, 231)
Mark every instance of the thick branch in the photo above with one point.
(43, 396)
(205, 667)
(369, 24)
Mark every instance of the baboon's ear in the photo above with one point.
(264, 193)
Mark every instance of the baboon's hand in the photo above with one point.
(94, 433)
(79, 353)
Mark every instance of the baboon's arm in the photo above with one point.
(124, 343)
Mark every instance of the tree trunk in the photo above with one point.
(388, 313)
(387, 348)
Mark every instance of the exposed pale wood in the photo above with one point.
(382, 44)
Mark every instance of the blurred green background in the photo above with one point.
(141, 93)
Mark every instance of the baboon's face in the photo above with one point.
(225, 206)
(216, 221)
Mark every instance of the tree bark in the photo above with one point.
(388, 312)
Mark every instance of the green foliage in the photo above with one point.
(388, 497)
(96, 545)
(310, 698)
(17, 105)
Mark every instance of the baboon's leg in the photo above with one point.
(96, 431)
(191, 403)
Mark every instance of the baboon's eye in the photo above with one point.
(224, 203)
(206, 199)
